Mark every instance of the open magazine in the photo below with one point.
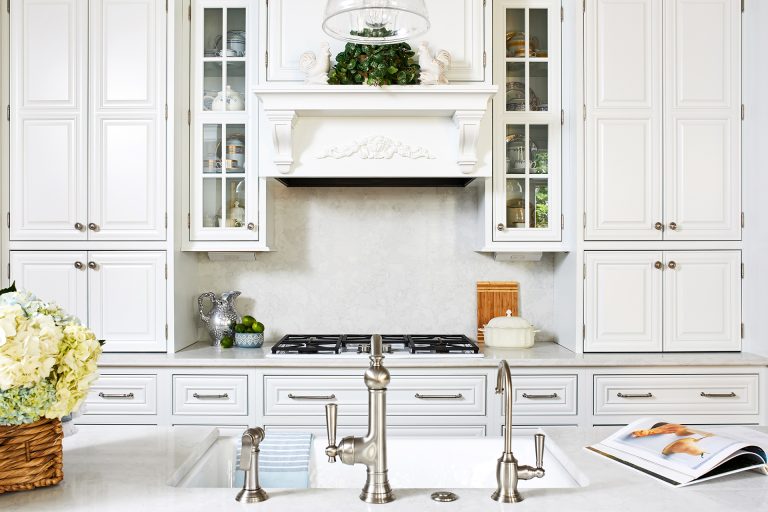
(681, 455)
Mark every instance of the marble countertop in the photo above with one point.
(125, 468)
(543, 354)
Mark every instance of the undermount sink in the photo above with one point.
(454, 463)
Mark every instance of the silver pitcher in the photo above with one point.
(222, 316)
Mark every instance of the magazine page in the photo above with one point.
(686, 450)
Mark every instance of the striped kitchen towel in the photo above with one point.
(284, 460)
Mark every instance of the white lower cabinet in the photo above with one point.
(210, 395)
(542, 395)
(320, 432)
(122, 395)
(120, 295)
(649, 301)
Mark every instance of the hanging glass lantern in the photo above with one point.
(375, 21)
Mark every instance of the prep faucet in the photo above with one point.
(249, 462)
(371, 450)
(508, 473)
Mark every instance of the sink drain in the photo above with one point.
(444, 496)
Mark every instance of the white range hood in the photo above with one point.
(353, 132)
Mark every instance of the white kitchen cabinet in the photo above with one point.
(663, 100)
(457, 26)
(57, 276)
(88, 155)
(702, 301)
(120, 295)
(527, 130)
(623, 301)
(649, 301)
(224, 188)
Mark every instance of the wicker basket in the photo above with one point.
(30, 455)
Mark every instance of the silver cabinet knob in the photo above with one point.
(659, 226)
(79, 265)
(93, 226)
(673, 226)
(672, 265)
(500, 227)
(79, 226)
(251, 226)
(658, 265)
(92, 265)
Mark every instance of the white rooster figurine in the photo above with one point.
(433, 68)
(316, 69)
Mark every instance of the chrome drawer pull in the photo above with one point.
(210, 397)
(439, 397)
(718, 395)
(311, 397)
(629, 395)
(129, 396)
(540, 397)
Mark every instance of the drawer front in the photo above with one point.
(210, 395)
(676, 394)
(542, 395)
(406, 396)
(122, 394)
(320, 431)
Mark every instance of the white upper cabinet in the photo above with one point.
(57, 276)
(702, 301)
(702, 156)
(128, 138)
(663, 100)
(623, 302)
(88, 154)
(48, 180)
(127, 300)
(295, 26)
(623, 60)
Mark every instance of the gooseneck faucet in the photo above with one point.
(371, 450)
(508, 473)
(249, 462)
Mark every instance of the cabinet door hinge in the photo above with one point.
(166, 271)
(166, 331)
(9, 271)
(166, 220)
(189, 117)
(742, 330)
(742, 5)
(8, 113)
(562, 13)
(584, 115)
(562, 117)
(485, 58)
(8, 6)
(189, 221)
(584, 271)
(562, 221)
(742, 271)
(742, 111)
(189, 13)
(584, 219)
(742, 219)
(8, 219)
(266, 59)
(166, 5)
(583, 331)
(484, 2)
(583, 5)
(166, 111)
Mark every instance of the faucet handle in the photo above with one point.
(331, 413)
(539, 443)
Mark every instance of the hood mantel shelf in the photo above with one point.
(465, 105)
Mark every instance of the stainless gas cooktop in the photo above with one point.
(395, 345)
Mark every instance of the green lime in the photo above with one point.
(248, 320)
(257, 327)
(241, 328)
(226, 342)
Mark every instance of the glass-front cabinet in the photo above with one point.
(224, 181)
(527, 121)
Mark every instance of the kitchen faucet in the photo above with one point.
(508, 473)
(249, 462)
(370, 450)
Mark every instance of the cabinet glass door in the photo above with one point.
(224, 185)
(527, 121)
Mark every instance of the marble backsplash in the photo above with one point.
(395, 260)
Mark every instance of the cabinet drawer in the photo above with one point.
(542, 395)
(123, 394)
(676, 394)
(439, 395)
(206, 395)
(320, 431)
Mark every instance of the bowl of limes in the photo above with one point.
(249, 333)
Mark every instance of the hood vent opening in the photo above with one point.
(377, 182)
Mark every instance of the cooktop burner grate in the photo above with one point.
(424, 344)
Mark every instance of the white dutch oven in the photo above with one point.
(509, 332)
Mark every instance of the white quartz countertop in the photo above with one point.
(125, 468)
(543, 354)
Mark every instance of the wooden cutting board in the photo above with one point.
(494, 298)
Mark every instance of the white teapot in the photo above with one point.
(228, 100)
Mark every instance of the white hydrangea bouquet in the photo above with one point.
(47, 359)
(47, 363)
